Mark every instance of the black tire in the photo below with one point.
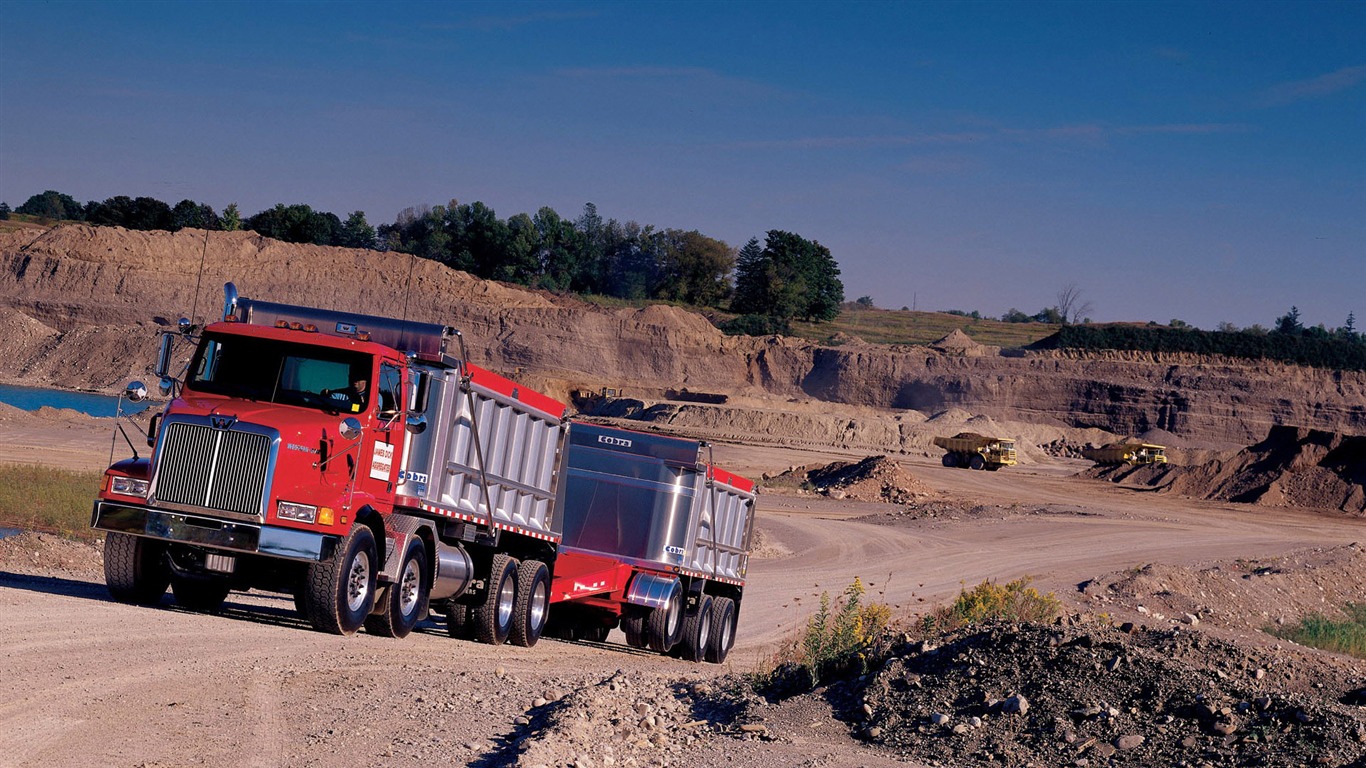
(950, 460)
(532, 608)
(405, 601)
(596, 634)
(134, 569)
(977, 462)
(341, 590)
(692, 646)
(202, 595)
(493, 617)
(665, 623)
(993, 467)
(459, 625)
(633, 624)
(722, 636)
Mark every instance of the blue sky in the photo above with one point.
(1201, 161)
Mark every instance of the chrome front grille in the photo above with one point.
(219, 469)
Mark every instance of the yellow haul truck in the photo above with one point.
(1127, 453)
(973, 451)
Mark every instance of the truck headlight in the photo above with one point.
(129, 486)
(304, 513)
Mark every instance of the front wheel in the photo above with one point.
(405, 600)
(341, 591)
(493, 616)
(134, 569)
(977, 462)
(533, 603)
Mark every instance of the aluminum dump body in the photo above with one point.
(650, 500)
(480, 419)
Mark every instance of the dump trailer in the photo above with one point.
(656, 539)
(348, 460)
(1127, 453)
(973, 451)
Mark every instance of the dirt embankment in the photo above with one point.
(80, 306)
(1292, 467)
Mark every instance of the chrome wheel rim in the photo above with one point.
(358, 581)
(507, 596)
(408, 588)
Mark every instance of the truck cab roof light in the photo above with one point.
(310, 327)
(363, 335)
(281, 323)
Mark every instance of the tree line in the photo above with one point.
(787, 277)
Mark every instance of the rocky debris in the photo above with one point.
(1239, 594)
(1022, 694)
(949, 509)
(43, 554)
(876, 478)
(628, 720)
(1292, 467)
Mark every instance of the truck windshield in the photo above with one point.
(278, 372)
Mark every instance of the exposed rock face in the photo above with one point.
(79, 307)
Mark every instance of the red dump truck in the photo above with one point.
(354, 462)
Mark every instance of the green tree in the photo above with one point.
(356, 232)
(561, 256)
(53, 205)
(4, 211)
(693, 268)
(792, 277)
(1289, 323)
(188, 213)
(232, 218)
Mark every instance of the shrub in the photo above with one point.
(839, 638)
(988, 601)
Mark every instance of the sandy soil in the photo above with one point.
(92, 682)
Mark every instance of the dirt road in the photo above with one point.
(89, 681)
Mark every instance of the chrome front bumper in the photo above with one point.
(201, 531)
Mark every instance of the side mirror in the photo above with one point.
(164, 356)
(350, 428)
(416, 424)
(136, 392)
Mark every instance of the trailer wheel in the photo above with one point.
(533, 603)
(341, 591)
(458, 622)
(722, 635)
(134, 569)
(493, 617)
(633, 625)
(596, 634)
(977, 462)
(202, 595)
(696, 631)
(405, 600)
(950, 460)
(665, 623)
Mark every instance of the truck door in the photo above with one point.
(384, 436)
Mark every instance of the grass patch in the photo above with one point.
(888, 326)
(1335, 635)
(988, 601)
(45, 499)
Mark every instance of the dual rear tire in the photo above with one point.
(515, 606)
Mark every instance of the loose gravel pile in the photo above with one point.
(876, 478)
